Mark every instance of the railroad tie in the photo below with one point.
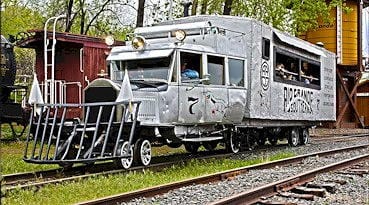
(337, 181)
(330, 187)
(267, 202)
(314, 191)
(297, 195)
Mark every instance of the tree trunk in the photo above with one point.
(140, 13)
(69, 16)
(227, 7)
(194, 7)
(204, 6)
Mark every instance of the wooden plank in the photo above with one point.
(310, 191)
(349, 98)
(330, 187)
(297, 195)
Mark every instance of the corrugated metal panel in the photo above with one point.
(349, 35)
(343, 41)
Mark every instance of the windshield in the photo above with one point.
(154, 69)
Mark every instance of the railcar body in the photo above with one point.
(255, 83)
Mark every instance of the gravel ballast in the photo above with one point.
(206, 193)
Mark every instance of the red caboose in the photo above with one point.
(74, 61)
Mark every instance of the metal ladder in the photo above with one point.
(51, 65)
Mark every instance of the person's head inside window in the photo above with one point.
(187, 72)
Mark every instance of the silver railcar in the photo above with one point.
(255, 84)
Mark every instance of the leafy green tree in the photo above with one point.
(16, 17)
(294, 16)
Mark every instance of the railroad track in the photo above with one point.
(226, 175)
(338, 138)
(345, 186)
(54, 176)
(257, 195)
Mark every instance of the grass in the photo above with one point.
(6, 132)
(72, 192)
(12, 159)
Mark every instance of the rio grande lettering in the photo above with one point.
(297, 100)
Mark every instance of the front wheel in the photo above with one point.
(125, 162)
(192, 147)
(143, 152)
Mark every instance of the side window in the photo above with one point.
(236, 72)
(216, 70)
(287, 67)
(310, 73)
(266, 48)
(292, 69)
(190, 66)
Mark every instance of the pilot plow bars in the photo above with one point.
(54, 137)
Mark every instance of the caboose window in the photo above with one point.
(236, 72)
(216, 70)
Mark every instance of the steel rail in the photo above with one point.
(327, 136)
(160, 189)
(253, 195)
(11, 180)
(109, 167)
(336, 137)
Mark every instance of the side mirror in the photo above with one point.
(206, 79)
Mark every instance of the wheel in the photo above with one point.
(126, 163)
(233, 143)
(293, 138)
(142, 151)
(210, 146)
(262, 138)
(66, 165)
(304, 136)
(273, 140)
(192, 147)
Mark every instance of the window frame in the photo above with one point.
(225, 68)
(300, 58)
(201, 70)
(264, 47)
(244, 71)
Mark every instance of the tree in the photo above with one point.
(15, 17)
(140, 13)
(294, 16)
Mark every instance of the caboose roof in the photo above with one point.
(35, 39)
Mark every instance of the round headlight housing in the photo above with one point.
(138, 42)
(109, 40)
(180, 35)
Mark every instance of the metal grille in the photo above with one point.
(54, 139)
(147, 109)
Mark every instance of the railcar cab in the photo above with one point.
(192, 110)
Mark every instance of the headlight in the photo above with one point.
(180, 35)
(109, 40)
(138, 42)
